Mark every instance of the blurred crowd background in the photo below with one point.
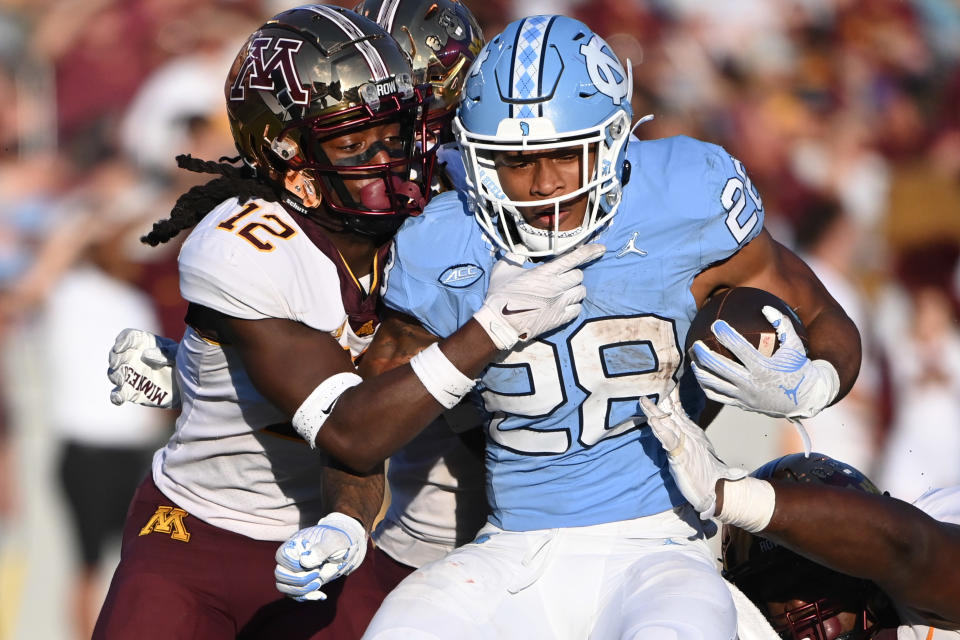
(846, 114)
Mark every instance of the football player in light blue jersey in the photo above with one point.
(589, 536)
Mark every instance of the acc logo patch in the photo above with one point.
(460, 276)
(606, 72)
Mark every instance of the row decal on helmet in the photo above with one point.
(528, 55)
(257, 71)
(377, 66)
(605, 70)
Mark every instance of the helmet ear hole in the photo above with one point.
(285, 148)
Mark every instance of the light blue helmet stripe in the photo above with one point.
(527, 62)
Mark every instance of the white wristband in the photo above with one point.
(318, 406)
(441, 378)
(748, 504)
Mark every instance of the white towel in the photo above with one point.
(751, 623)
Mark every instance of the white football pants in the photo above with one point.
(650, 578)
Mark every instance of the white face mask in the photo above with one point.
(600, 183)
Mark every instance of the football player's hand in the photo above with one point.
(785, 385)
(522, 304)
(690, 455)
(142, 369)
(318, 555)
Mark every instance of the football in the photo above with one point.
(740, 307)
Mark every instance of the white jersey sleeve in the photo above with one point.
(437, 494)
(944, 505)
(230, 263)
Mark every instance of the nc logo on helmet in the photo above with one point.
(606, 72)
(257, 70)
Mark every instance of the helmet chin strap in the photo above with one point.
(302, 188)
(646, 118)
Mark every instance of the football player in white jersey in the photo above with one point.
(816, 546)
(588, 536)
(436, 481)
(282, 271)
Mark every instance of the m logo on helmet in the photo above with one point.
(605, 70)
(267, 57)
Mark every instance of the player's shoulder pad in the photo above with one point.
(684, 166)
(698, 181)
(437, 265)
(445, 230)
(252, 261)
(447, 208)
(450, 162)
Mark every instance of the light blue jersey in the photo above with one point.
(566, 445)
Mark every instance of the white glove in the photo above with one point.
(786, 385)
(522, 304)
(692, 461)
(143, 368)
(318, 555)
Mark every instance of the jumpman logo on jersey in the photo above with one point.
(792, 393)
(631, 247)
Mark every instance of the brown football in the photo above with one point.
(741, 308)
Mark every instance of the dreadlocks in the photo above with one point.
(240, 182)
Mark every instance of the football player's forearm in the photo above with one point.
(393, 346)
(359, 496)
(831, 333)
(835, 338)
(376, 418)
(911, 556)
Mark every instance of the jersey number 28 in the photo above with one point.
(600, 366)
